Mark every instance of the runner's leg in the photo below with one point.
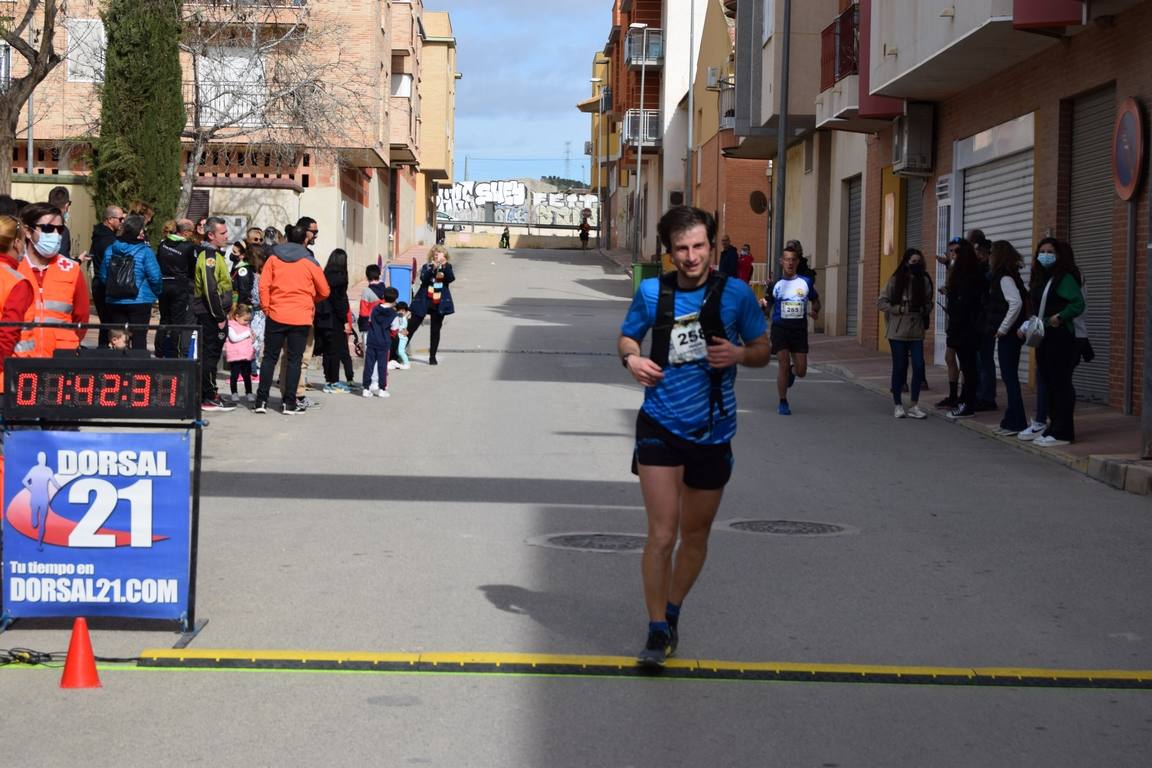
(661, 488)
(783, 364)
(697, 511)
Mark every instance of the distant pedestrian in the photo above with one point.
(433, 298)
(332, 323)
(400, 325)
(259, 319)
(907, 303)
(964, 293)
(103, 235)
(132, 280)
(1004, 313)
(505, 239)
(744, 264)
(1057, 295)
(729, 262)
(62, 199)
(378, 343)
(585, 229)
(291, 284)
(211, 303)
(239, 350)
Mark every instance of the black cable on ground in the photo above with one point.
(10, 656)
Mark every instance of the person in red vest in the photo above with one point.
(15, 289)
(744, 264)
(59, 295)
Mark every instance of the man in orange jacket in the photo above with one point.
(290, 285)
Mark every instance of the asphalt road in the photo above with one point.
(413, 524)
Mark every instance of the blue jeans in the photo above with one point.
(901, 350)
(1008, 352)
(986, 358)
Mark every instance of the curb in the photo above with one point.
(1124, 473)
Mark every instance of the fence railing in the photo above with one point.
(635, 53)
(839, 48)
(642, 126)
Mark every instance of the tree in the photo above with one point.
(41, 57)
(137, 153)
(267, 80)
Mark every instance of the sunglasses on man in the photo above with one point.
(50, 228)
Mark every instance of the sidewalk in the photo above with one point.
(1107, 446)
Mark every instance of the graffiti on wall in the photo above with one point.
(513, 202)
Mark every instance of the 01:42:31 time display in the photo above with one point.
(100, 390)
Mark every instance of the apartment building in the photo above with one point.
(438, 78)
(734, 190)
(1024, 119)
(355, 182)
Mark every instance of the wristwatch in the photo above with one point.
(624, 360)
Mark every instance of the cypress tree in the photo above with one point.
(137, 154)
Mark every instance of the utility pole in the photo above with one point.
(638, 245)
(691, 100)
(781, 164)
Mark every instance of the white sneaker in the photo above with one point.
(404, 366)
(900, 412)
(915, 413)
(250, 397)
(367, 393)
(1032, 432)
(383, 393)
(1047, 441)
(393, 365)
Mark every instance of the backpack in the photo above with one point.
(121, 282)
(710, 323)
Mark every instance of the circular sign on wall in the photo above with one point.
(1128, 149)
(758, 202)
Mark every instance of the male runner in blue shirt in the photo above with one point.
(683, 452)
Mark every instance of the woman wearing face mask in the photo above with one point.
(1004, 313)
(907, 304)
(60, 295)
(1056, 284)
(15, 290)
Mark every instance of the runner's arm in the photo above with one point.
(724, 354)
(642, 369)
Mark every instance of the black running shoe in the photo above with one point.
(656, 650)
(673, 639)
(948, 402)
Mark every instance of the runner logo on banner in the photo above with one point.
(96, 524)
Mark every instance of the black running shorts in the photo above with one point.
(791, 338)
(706, 467)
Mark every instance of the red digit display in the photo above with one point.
(141, 390)
(54, 388)
(26, 386)
(109, 390)
(172, 392)
(84, 387)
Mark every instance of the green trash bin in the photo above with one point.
(642, 270)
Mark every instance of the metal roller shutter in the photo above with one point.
(914, 215)
(998, 200)
(1090, 227)
(852, 303)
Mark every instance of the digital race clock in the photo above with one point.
(76, 388)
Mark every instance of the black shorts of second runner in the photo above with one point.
(793, 338)
(706, 467)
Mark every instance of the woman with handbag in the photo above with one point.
(1056, 290)
(907, 304)
(1004, 314)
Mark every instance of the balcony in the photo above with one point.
(839, 51)
(933, 54)
(642, 127)
(727, 108)
(243, 105)
(637, 55)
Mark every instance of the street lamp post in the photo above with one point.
(600, 185)
(637, 246)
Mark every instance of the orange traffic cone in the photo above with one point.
(80, 667)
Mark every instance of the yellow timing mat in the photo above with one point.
(624, 666)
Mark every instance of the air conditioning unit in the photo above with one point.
(912, 140)
(713, 77)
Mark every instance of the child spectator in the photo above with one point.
(239, 349)
(370, 296)
(117, 339)
(400, 328)
(378, 342)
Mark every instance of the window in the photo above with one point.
(402, 85)
(232, 90)
(85, 52)
(5, 66)
(769, 10)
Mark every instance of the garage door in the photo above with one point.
(1090, 229)
(852, 302)
(998, 200)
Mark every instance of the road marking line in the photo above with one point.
(625, 666)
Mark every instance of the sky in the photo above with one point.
(526, 63)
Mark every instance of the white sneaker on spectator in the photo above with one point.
(1047, 441)
(367, 393)
(915, 413)
(383, 393)
(1032, 432)
(900, 412)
